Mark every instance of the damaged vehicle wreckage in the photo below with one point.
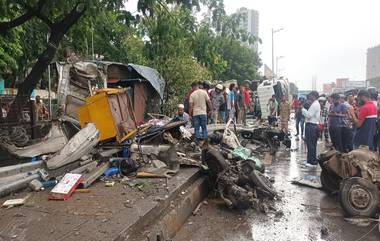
(355, 176)
(110, 134)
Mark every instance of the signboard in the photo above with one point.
(2, 87)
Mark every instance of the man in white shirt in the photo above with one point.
(199, 105)
(312, 118)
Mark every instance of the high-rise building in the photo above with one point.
(373, 66)
(250, 23)
(314, 82)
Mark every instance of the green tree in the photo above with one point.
(169, 50)
(58, 17)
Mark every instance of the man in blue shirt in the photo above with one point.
(336, 122)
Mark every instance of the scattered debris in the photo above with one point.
(64, 189)
(361, 222)
(15, 202)
(308, 181)
(36, 185)
(110, 183)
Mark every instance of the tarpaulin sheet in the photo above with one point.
(152, 76)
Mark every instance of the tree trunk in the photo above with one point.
(58, 31)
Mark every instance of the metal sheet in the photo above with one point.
(81, 144)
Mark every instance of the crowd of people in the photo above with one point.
(206, 105)
(344, 121)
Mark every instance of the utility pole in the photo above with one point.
(49, 82)
(273, 32)
(272, 54)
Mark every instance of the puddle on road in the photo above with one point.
(302, 219)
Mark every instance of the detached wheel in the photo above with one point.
(262, 182)
(330, 183)
(359, 197)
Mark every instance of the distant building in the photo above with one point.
(373, 66)
(329, 88)
(250, 23)
(341, 83)
(345, 84)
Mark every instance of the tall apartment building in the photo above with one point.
(250, 23)
(373, 66)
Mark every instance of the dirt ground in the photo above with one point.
(303, 213)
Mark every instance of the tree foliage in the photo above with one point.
(165, 35)
(169, 51)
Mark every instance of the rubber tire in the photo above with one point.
(261, 181)
(345, 187)
(330, 183)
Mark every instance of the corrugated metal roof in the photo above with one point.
(151, 75)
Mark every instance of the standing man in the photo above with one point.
(272, 109)
(336, 122)
(300, 119)
(348, 127)
(247, 101)
(194, 86)
(231, 102)
(324, 118)
(42, 112)
(240, 105)
(366, 122)
(199, 102)
(284, 113)
(312, 117)
(217, 100)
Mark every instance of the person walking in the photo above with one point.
(199, 104)
(312, 118)
(284, 113)
(365, 123)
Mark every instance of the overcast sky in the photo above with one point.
(325, 38)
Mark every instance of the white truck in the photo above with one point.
(267, 89)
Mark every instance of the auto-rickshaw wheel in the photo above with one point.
(359, 197)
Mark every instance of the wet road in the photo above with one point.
(303, 213)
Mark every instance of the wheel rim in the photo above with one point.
(359, 197)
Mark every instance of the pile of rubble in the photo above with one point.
(158, 149)
(102, 133)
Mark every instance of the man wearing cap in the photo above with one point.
(312, 118)
(365, 123)
(200, 104)
(217, 100)
(181, 115)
